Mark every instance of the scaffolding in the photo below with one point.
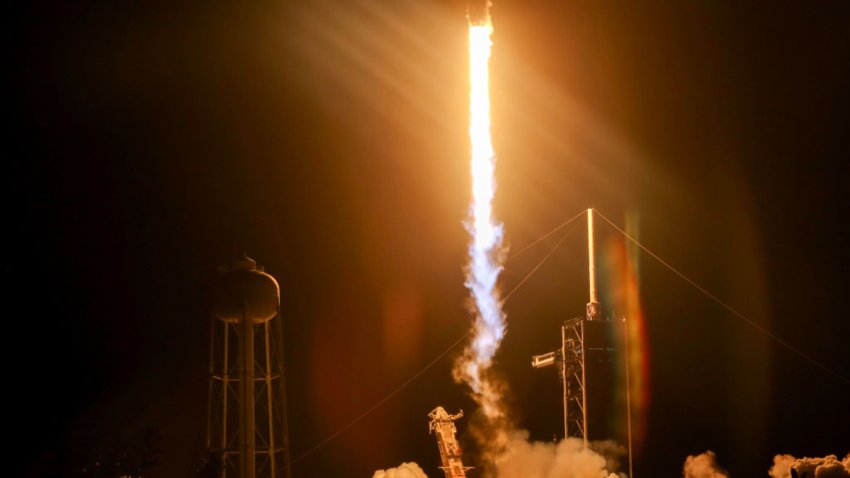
(442, 425)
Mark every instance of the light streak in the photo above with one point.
(485, 248)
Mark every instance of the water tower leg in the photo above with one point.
(270, 402)
(247, 430)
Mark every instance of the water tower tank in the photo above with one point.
(246, 429)
(244, 290)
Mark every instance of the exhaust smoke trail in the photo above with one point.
(507, 452)
(485, 248)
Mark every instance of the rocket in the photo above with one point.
(478, 11)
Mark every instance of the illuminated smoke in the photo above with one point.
(507, 452)
(784, 466)
(485, 248)
(827, 467)
(405, 470)
(566, 459)
(703, 466)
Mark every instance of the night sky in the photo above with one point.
(149, 140)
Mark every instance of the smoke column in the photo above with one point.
(507, 451)
(485, 248)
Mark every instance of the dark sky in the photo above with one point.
(328, 138)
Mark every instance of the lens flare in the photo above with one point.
(621, 270)
(485, 248)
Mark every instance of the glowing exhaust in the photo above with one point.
(485, 248)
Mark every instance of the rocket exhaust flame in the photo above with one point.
(506, 451)
(485, 248)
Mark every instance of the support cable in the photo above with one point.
(380, 402)
(544, 236)
(522, 282)
(726, 306)
(454, 345)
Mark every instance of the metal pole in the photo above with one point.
(592, 306)
(269, 392)
(211, 385)
(583, 388)
(225, 388)
(564, 379)
(284, 414)
(247, 440)
(628, 395)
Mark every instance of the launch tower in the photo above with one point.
(443, 426)
(593, 366)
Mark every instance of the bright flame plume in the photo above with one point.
(485, 248)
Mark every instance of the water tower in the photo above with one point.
(247, 427)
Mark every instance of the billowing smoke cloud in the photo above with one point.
(702, 466)
(566, 459)
(405, 470)
(787, 466)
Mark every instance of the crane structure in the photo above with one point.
(443, 426)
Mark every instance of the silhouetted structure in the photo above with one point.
(247, 426)
(593, 367)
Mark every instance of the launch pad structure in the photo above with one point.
(594, 370)
(443, 426)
